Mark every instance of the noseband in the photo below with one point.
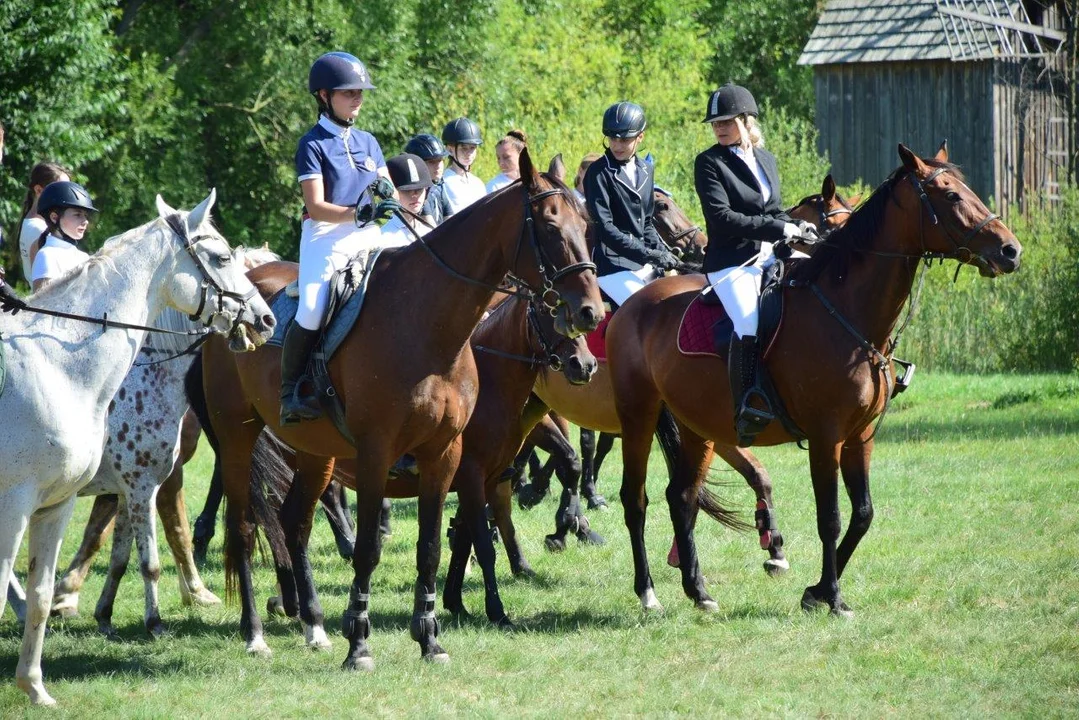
(179, 227)
(548, 356)
(959, 245)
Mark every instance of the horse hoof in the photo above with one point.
(259, 648)
(708, 606)
(776, 566)
(37, 693)
(524, 571)
(65, 607)
(438, 658)
(591, 537)
(315, 638)
(554, 543)
(200, 598)
(360, 664)
(672, 556)
(274, 606)
(156, 630)
(505, 624)
(649, 601)
(598, 502)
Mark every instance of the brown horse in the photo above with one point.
(511, 346)
(407, 378)
(593, 407)
(830, 363)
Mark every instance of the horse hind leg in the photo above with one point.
(98, 529)
(335, 506)
(46, 531)
(771, 539)
(118, 560)
(16, 598)
(172, 510)
(694, 459)
(143, 519)
(603, 446)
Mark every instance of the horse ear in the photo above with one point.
(827, 188)
(557, 168)
(163, 209)
(854, 200)
(942, 153)
(201, 213)
(529, 176)
(910, 161)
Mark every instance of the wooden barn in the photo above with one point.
(994, 77)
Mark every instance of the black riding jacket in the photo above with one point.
(736, 217)
(622, 215)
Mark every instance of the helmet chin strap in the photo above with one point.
(455, 161)
(326, 108)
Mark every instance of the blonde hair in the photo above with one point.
(752, 131)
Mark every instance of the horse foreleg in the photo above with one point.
(143, 520)
(436, 474)
(502, 508)
(98, 528)
(15, 509)
(601, 448)
(46, 531)
(824, 466)
(118, 559)
(749, 467)
(470, 494)
(312, 479)
(854, 465)
(460, 552)
(16, 598)
(694, 459)
(172, 510)
(207, 519)
(335, 505)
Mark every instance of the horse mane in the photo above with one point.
(495, 324)
(835, 253)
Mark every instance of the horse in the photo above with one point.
(830, 362)
(151, 436)
(513, 345)
(593, 409)
(410, 393)
(63, 372)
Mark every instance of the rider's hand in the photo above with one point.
(665, 260)
(382, 188)
(808, 231)
(9, 301)
(385, 209)
(791, 230)
(782, 251)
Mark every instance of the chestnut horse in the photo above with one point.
(593, 407)
(830, 363)
(408, 380)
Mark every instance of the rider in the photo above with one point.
(432, 151)
(738, 184)
(412, 180)
(461, 187)
(618, 192)
(32, 224)
(67, 209)
(508, 151)
(335, 163)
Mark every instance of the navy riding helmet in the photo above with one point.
(624, 120)
(63, 194)
(729, 102)
(462, 131)
(427, 146)
(338, 71)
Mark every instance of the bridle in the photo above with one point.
(821, 206)
(548, 355)
(547, 294)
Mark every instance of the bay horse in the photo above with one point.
(151, 436)
(408, 379)
(592, 407)
(62, 373)
(830, 362)
(513, 345)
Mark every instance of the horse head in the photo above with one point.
(569, 356)
(954, 222)
(208, 284)
(829, 211)
(685, 238)
(562, 265)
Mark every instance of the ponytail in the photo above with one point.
(42, 174)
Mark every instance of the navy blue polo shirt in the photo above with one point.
(346, 159)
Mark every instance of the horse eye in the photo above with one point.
(952, 196)
(223, 260)
(662, 207)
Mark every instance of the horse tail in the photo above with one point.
(271, 478)
(670, 442)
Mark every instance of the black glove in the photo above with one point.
(382, 188)
(9, 301)
(782, 251)
(665, 260)
(385, 209)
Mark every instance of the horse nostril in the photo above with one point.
(269, 320)
(1010, 252)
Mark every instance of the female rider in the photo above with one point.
(67, 209)
(462, 188)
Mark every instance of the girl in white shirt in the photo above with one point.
(31, 224)
(412, 179)
(67, 209)
(508, 151)
(462, 138)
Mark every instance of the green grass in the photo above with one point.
(966, 592)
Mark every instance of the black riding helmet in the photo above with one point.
(337, 71)
(462, 131)
(63, 194)
(427, 146)
(624, 120)
(409, 172)
(729, 102)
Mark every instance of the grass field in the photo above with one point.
(966, 593)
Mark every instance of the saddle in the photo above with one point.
(706, 330)
(348, 289)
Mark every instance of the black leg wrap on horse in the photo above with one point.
(424, 623)
(356, 619)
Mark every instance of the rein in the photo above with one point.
(548, 359)
(191, 349)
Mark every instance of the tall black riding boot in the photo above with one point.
(748, 420)
(299, 342)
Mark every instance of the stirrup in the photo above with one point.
(296, 409)
(902, 382)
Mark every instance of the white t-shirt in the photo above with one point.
(31, 230)
(56, 258)
(395, 234)
(498, 182)
(462, 190)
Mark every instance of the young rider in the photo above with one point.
(432, 151)
(335, 163)
(737, 181)
(412, 179)
(462, 188)
(32, 224)
(508, 152)
(618, 192)
(67, 209)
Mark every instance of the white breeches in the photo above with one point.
(620, 285)
(325, 248)
(739, 288)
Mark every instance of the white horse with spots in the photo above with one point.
(143, 449)
(62, 374)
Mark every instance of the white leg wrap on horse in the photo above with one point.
(324, 249)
